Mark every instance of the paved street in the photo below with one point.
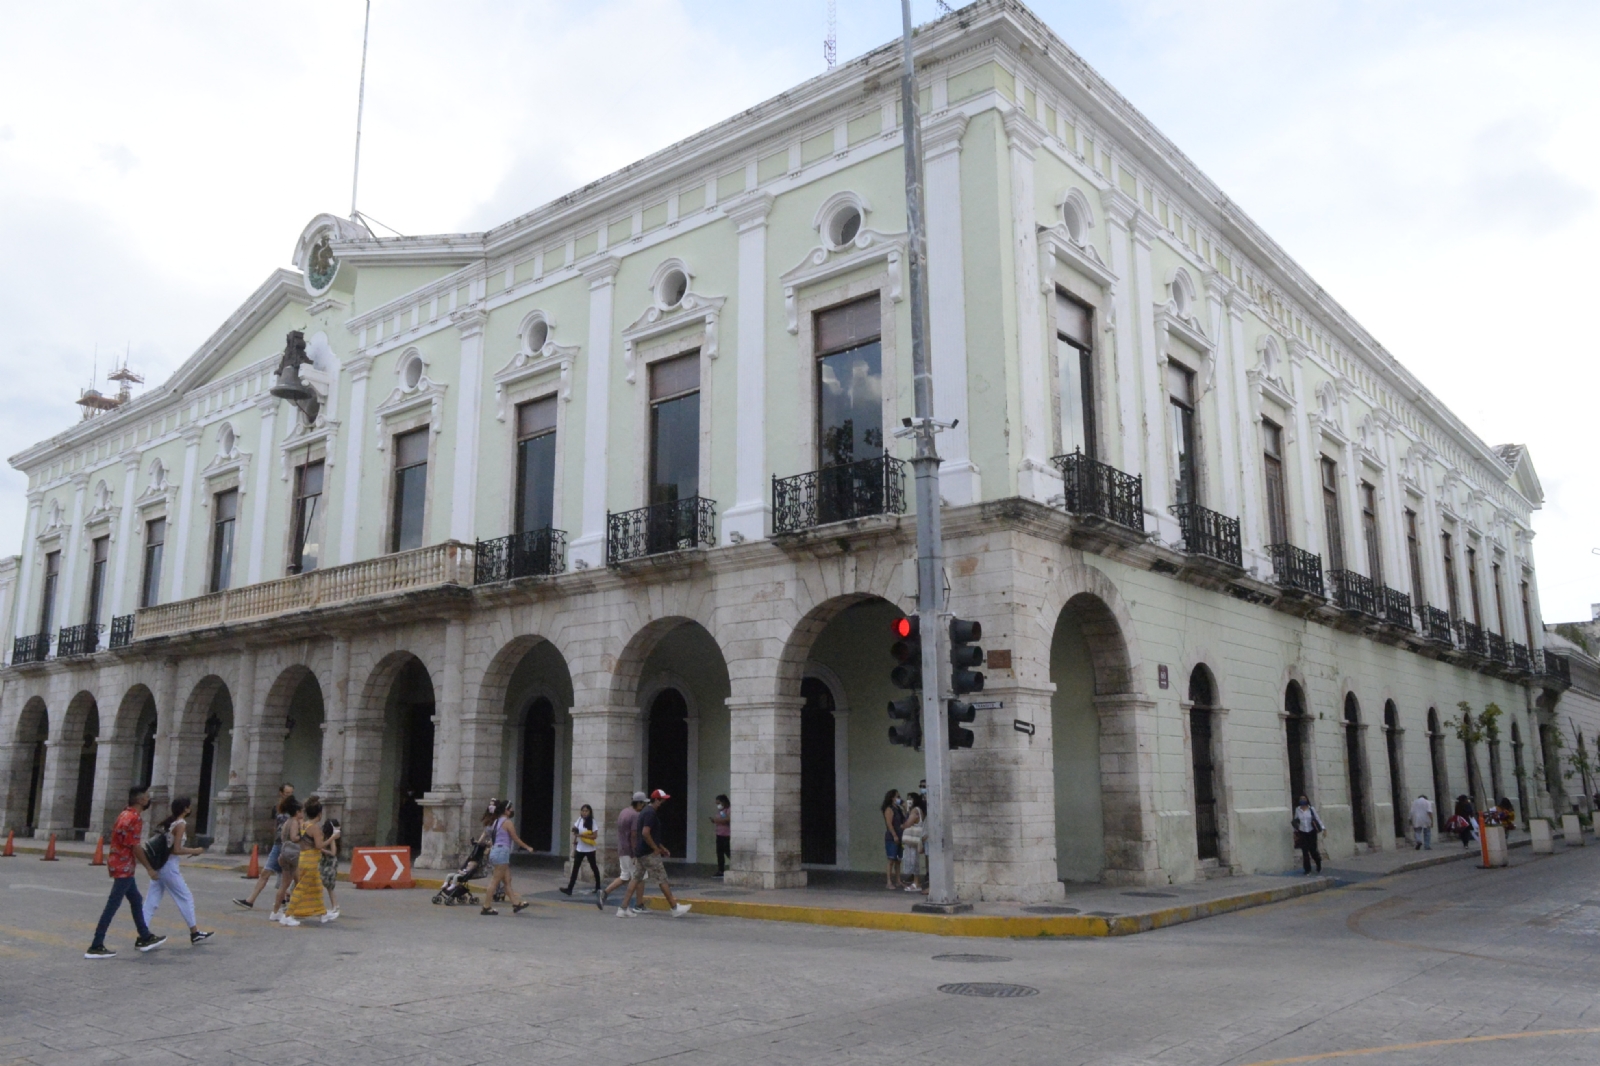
(1450, 954)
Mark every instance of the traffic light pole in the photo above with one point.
(925, 463)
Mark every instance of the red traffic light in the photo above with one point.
(905, 627)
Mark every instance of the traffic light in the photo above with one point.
(905, 727)
(959, 712)
(964, 655)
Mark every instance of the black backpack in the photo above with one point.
(158, 849)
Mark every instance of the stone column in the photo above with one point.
(947, 305)
(748, 517)
(56, 792)
(112, 779)
(1128, 789)
(604, 770)
(589, 549)
(1035, 477)
(166, 721)
(441, 805)
(231, 823)
(335, 714)
(469, 400)
(362, 761)
(764, 785)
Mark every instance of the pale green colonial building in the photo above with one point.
(609, 496)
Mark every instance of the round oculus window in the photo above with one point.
(411, 375)
(673, 288)
(538, 334)
(844, 226)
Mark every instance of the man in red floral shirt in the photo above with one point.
(127, 848)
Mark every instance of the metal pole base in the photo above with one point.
(940, 908)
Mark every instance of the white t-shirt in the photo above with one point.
(1421, 813)
(587, 838)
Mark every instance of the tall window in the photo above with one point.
(306, 554)
(47, 601)
(849, 384)
(224, 518)
(1369, 532)
(1499, 598)
(1527, 614)
(1330, 513)
(1472, 586)
(1180, 391)
(1414, 558)
(536, 465)
(155, 542)
(1075, 353)
(101, 549)
(1277, 499)
(410, 489)
(675, 429)
(1447, 543)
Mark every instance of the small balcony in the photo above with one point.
(1472, 641)
(534, 553)
(1354, 593)
(1296, 569)
(1396, 609)
(30, 649)
(1436, 625)
(1521, 660)
(1497, 648)
(1553, 669)
(78, 640)
(681, 525)
(838, 494)
(121, 630)
(1094, 490)
(1210, 534)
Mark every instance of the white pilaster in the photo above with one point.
(267, 408)
(1310, 449)
(24, 593)
(66, 607)
(1035, 478)
(947, 304)
(117, 580)
(1225, 377)
(350, 506)
(178, 561)
(1251, 475)
(469, 400)
(589, 549)
(1120, 331)
(748, 518)
(1151, 363)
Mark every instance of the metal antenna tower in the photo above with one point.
(830, 43)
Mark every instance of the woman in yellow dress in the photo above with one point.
(306, 900)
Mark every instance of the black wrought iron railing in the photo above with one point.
(78, 640)
(1555, 666)
(838, 493)
(122, 631)
(533, 553)
(1094, 489)
(1472, 638)
(31, 649)
(1354, 592)
(1520, 659)
(663, 527)
(1205, 532)
(1396, 608)
(1497, 647)
(1436, 624)
(1296, 568)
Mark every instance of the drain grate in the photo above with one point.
(972, 958)
(988, 990)
(1153, 895)
(1050, 908)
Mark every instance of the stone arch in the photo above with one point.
(1301, 767)
(72, 790)
(29, 760)
(1108, 627)
(399, 703)
(1393, 735)
(209, 695)
(1357, 773)
(524, 703)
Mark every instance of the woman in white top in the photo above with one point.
(169, 877)
(911, 840)
(585, 841)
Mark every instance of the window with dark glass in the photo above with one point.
(675, 429)
(849, 383)
(1499, 598)
(1277, 499)
(155, 542)
(47, 598)
(1180, 392)
(1472, 585)
(101, 555)
(1414, 558)
(306, 553)
(1075, 352)
(1330, 513)
(1369, 532)
(224, 519)
(410, 489)
(1452, 591)
(1527, 614)
(536, 465)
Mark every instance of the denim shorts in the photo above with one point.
(272, 859)
(499, 856)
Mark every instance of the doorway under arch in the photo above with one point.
(28, 764)
(667, 764)
(1397, 780)
(1203, 746)
(529, 682)
(819, 829)
(1442, 800)
(408, 742)
(1355, 756)
(1297, 735)
(215, 714)
(88, 750)
(1520, 770)
(536, 792)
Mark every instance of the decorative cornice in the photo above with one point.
(1055, 243)
(1023, 133)
(526, 364)
(470, 320)
(823, 263)
(750, 210)
(657, 321)
(942, 134)
(602, 271)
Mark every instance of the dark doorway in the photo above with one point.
(818, 812)
(1397, 784)
(667, 765)
(1521, 773)
(208, 771)
(1205, 785)
(83, 802)
(415, 704)
(147, 749)
(1356, 770)
(1441, 776)
(1296, 727)
(536, 807)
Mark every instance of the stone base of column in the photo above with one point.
(765, 878)
(229, 819)
(588, 553)
(441, 829)
(1037, 481)
(959, 482)
(764, 784)
(745, 522)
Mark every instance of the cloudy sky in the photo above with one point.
(1432, 163)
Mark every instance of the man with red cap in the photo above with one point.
(649, 851)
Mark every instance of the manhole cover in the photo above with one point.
(972, 958)
(1050, 908)
(1153, 895)
(988, 990)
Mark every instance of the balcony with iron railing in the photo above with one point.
(1091, 489)
(1296, 570)
(1209, 534)
(1396, 608)
(838, 494)
(1497, 647)
(1472, 641)
(34, 648)
(121, 630)
(533, 553)
(1553, 669)
(1354, 593)
(1436, 625)
(1521, 660)
(78, 640)
(680, 525)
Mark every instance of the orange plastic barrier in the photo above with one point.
(255, 863)
(381, 868)
(50, 850)
(99, 852)
(11, 846)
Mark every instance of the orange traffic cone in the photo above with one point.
(255, 863)
(11, 846)
(99, 852)
(50, 850)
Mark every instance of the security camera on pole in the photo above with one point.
(930, 551)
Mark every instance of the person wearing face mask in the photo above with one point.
(1307, 824)
(721, 825)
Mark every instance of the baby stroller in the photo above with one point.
(456, 890)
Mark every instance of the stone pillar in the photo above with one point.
(231, 821)
(335, 714)
(56, 793)
(764, 785)
(112, 779)
(1128, 789)
(166, 718)
(604, 767)
(748, 517)
(441, 805)
(589, 549)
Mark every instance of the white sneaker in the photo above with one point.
(333, 915)
(634, 912)
(286, 920)
(275, 916)
(624, 913)
(680, 910)
(328, 917)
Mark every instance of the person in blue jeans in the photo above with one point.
(127, 853)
